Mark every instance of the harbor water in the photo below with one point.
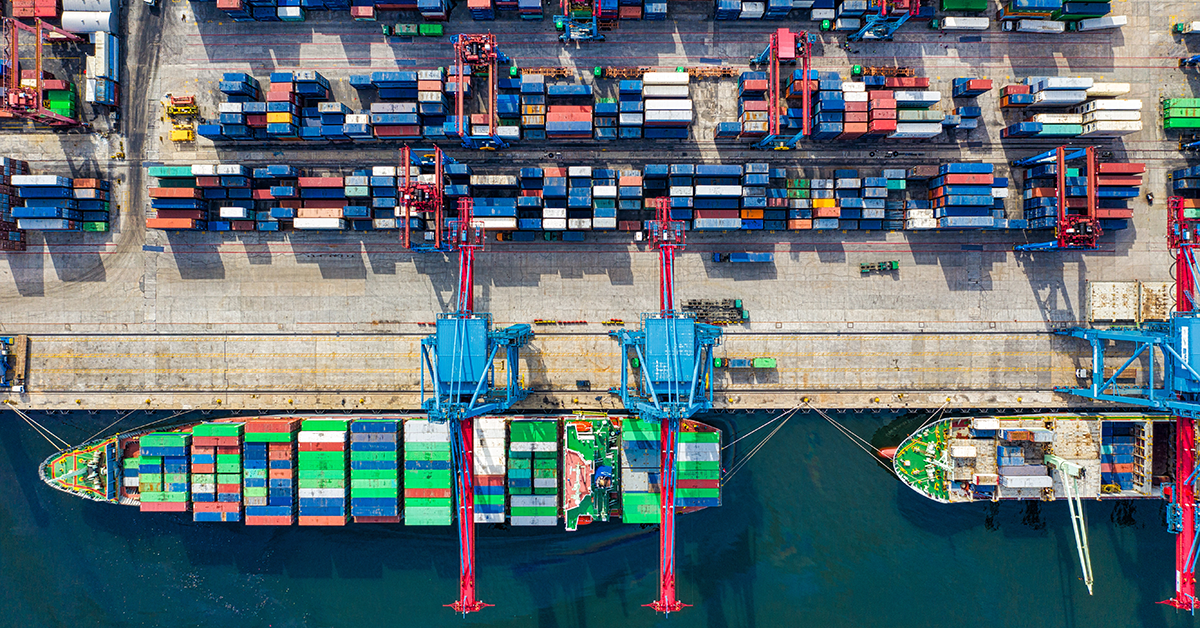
(813, 532)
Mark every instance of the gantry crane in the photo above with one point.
(458, 360)
(784, 48)
(26, 102)
(575, 25)
(1173, 385)
(474, 51)
(884, 18)
(425, 199)
(673, 358)
(1076, 229)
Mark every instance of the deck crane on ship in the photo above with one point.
(672, 357)
(1173, 386)
(458, 362)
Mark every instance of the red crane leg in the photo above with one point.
(1185, 459)
(467, 603)
(667, 602)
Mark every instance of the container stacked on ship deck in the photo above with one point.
(490, 465)
(374, 471)
(217, 472)
(322, 470)
(269, 455)
(163, 471)
(428, 483)
(533, 472)
(1118, 454)
(640, 468)
(698, 470)
(1116, 184)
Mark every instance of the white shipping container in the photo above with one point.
(909, 96)
(916, 130)
(324, 493)
(229, 107)
(40, 179)
(289, 13)
(681, 190)
(1110, 129)
(1064, 82)
(1108, 90)
(385, 223)
(420, 426)
(965, 23)
(665, 91)
(554, 212)
(962, 451)
(1110, 105)
(231, 170)
(705, 451)
(358, 118)
(383, 171)
(496, 223)
(847, 24)
(204, 170)
(852, 86)
(426, 438)
(665, 78)
(752, 11)
(1026, 481)
(356, 181)
(1101, 23)
(1057, 118)
(999, 192)
(919, 214)
(436, 74)
(674, 104)
(921, 223)
(579, 171)
(718, 190)
(319, 223)
(425, 178)
(578, 224)
(554, 224)
(666, 115)
(235, 213)
(508, 132)
(604, 223)
(1041, 26)
(89, 21)
(823, 14)
(1111, 116)
(1059, 97)
(604, 191)
(130, 481)
(321, 436)
(493, 180)
(489, 517)
(204, 488)
(635, 481)
(855, 96)
(985, 423)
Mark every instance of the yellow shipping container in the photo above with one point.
(824, 202)
(279, 116)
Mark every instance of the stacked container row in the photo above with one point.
(533, 472)
(322, 465)
(269, 461)
(375, 471)
(428, 495)
(490, 465)
(163, 471)
(217, 472)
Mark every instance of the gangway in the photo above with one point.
(477, 51)
(458, 361)
(1079, 230)
(1070, 473)
(672, 355)
(785, 47)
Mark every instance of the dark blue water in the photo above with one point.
(813, 533)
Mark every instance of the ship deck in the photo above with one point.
(145, 319)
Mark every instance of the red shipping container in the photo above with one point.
(906, 82)
(629, 225)
(291, 203)
(229, 5)
(320, 447)
(716, 213)
(229, 488)
(1115, 168)
(23, 4)
(1041, 193)
(883, 114)
(1076, 202)
(204, 468)
(397, 131)
(856, 107)
(1009, 90)
(755, 105)
(570, 109)
(256, 119)
(429, 493)
(796, 223)
(826, 212)
(935, 193)
(181, 214)
(967, 179)
(1134, 181)
(23, 12)
(754, 85)
(174, 193)
(853, 130)
(274, 96)
(697, 484)
(242, 225)
(979, 85)
(279, 474)
(362, 11)
(554, 172)
(877, 94)
(629, 13)
(322, 521)
(536, 193)
(58, 84)
(568, 117)
(268, 521)
(429, 86)
(489, 480)
(163, 507)
(377, 520)
(480, 118)
(1123, 467)
(857, 116)
(204, 449)
(208, 182)
(881, 103)
(1114, 213)
(262, 195)
(216, 506)
(266, 426)
(320, 182)
(281, 87)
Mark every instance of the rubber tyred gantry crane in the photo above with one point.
(785, 47)
(422, 200)
(26, 102)
(673, 358)
(477, 51)
(884, 18)
(458, 361)
(1077, 229)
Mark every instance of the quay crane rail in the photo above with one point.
(674, 363)
(1072, 230)
(784, 47)
(459, 361)
(1173, 385)
(474, 51)
(27, 102)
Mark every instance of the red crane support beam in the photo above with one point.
(1185, 453)
(405, 193)
(667, 601)
(468, 239)
(465, 485)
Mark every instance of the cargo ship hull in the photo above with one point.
(992, 458)
(328, 471)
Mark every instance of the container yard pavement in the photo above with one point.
(312, 320)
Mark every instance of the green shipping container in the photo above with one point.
(267, 437)
(95, 227)
(426, 502)
(373, 474)
(533, 511)
(640, 508)
(374, 492)
(172, 172)
(1181, 123)
(324, 425)
(164, 497)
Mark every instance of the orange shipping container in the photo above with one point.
(800, 223)
(174, 193)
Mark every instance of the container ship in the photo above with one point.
(1119, 456)
(324, 471)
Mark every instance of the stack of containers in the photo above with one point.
(1028, 9)
(322, 465)
(322, 203)
(427, 474)
(640, 469)
(799, 203)
(1110, 118)
(682, 193)
(103, 69)
(961, 196)
(915, 116)
(579, 198)
(1015, 96)
(1118, 443)
(847, 191)
(566, 117)
(554, 199)
(533, 106)
(753, 107)
(1116, 184)
(481, 9)
(630, 109)
(828, 108)
(529, 203)
(282, 115)
(270, 476)
(629, 9)
(533, 472)
(176, 201)
(11, 238)
(728, 10)
(217, 472)
(607, 111)
(395, 120)
(970, 87)
(918, 213)
(656, 11)
(604, 199)
(489, 472)
(130, 479)
(434, 10)
(530, 9)
(1178, 113)
(667, 105)
(48, 203)
(374, 471)
(1186, 185)
(698, 469)
(163, 471)
(754, 181)
(825, 210)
